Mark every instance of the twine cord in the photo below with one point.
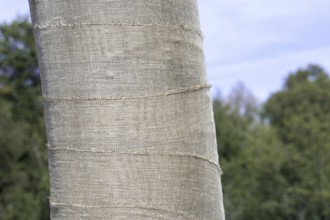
(61, 24)
(162, 153)
(163, 93)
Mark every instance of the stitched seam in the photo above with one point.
(181, 213)
(162, 153)
(116, 24)
(163, 93)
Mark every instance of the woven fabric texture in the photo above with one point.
(128, 113)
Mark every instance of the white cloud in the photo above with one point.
(258, 42)
(264, 76)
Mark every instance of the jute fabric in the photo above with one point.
(128, 113)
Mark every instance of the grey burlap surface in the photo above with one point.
(128, 113)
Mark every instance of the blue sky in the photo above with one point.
(256, 42)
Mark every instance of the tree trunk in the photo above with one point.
(128, 113)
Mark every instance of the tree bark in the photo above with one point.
(128, 113)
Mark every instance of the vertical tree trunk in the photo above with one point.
(128, 114)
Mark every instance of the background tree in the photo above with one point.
(23, 170)
(235, 117)
(251, 181)
(278, 167)
(300, 113)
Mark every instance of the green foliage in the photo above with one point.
(234, 118)
(301, 115)
(277, 168)
(23, 170)
(300, 112)
(256, 186)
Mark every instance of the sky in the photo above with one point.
(255, 42)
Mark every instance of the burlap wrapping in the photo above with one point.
(128, 114)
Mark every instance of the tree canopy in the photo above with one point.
(277, 166)
(23, 170)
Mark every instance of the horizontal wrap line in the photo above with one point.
(161, 153)
(163, 93)
(140, 206)
(56, 23)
